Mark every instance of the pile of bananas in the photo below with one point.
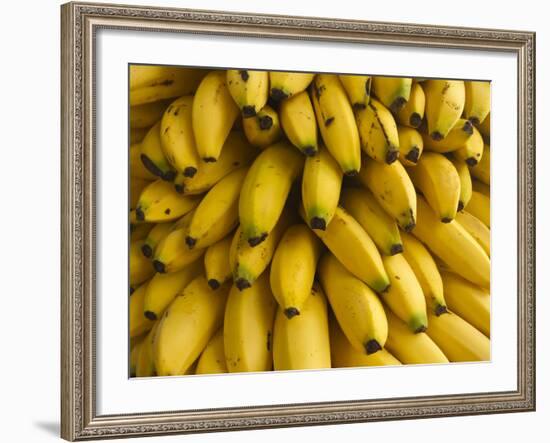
(286, 221)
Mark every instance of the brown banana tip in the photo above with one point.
(147, 251)
(391, 156)
(397, 104)
(249, 111)
(242, 284)
(396, 249)
(351, 173)
(460, 206)
(213, 283)
(150, 166)
(471, 161)
(413, 155)
(190, 242)
(421, 328)
(291, 312)
(318, 223)
(309, 151)
(409, 227)
(475, 120)
(278, 95)
(468, 128)
(179, 188)
(415, 120)
(441, 310)
(169, 176)
(372, 346)
(139, 214)
(209, 159)
(255, 241)
(150, 315)
(159, 266)
(265, 122)
(446, 220)
(244, 75)
(437, 136)
(190, 172)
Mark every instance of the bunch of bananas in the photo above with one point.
(286, 221)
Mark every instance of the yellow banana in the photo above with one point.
(465, 182)
(472, 150)
(485, 128)
(138, 323)
(141, 268)
(411, 348)
(481, 187)
(452, 244)
(249, 89)
(188, 325)
(437, 178)
(349, 242)
(404, 295)
(336, 122)
(155, 236)
(456, 139)
(148, 75)
(265, 190)
(458, 339)
(476, 229)
(469, 301)
(482, 171)
(411, 145)
(357, 308)
(146, 115)
(426, 272)
(213, 115)
(287, 84)
(248, 262)
(413, 112)
(303, 342)
(248, 327)
(137, 168)
(163, 288)
(344, 355)
(218, 212)
(383, 230)
(478, 100)
(358, 88)
(298, 122)
(236, 152)
(137, 185)
(393, 92)
(393, 189)
(321, 185)
(159, 202)
(293, 268)
(216, 262)
(444, 105)
(212, 359)
(145, 364)
(378, 132)
(137, 135)
(263, 129)
(480, 207)
(153, 157)
(135, 349)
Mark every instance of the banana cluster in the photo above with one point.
(284, 221)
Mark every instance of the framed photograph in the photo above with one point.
(277, 221)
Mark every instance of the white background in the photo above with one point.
(29, 116)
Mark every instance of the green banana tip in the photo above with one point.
(418, 323)
(372, 346)
(150, 315)
(291, 312)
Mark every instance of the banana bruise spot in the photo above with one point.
(397, 104)
(147, 251)
(242, 284)
(167, 211)
(249, 111)
(415, 120)
(278, 95)
(309, 151)
(150, 315)
(471, 161)
(328, 121)
(244, 75)
(255, 241)
(179, 188)
(391, 156)
(372, 346)
(140, 216)
(420, 329)
(213, 283)
(396, 249)
(318, 223)
(209, 159)
(460, 206)
(190, 242)
(446, 220)
(190, 172)
(358, 106)
(441, 310)
(159, 267)
(265, 122)
(413, 155)
(151, 167)
(291, 312)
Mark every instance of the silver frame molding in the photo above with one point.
(79, 23)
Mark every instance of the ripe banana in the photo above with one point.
(393, 92)
(163, 288)
(264, 129)
(153, 157)
(437, 178)
(145, 364)
(146, 115)
(482, 171)
(452, 244)
(480, 207)
(248, 327)
(236, 152)
(383, 230)
(212, 359)
(265, 190)
(478, 101)
(465, 182)
(303, 342)
(444, 105)
(155, 236)
(213, 115)
(476, 229)
(286, 84)
(321, 185)
(411, 145)
(218, 212)
(336, 122)
(137, 168)
(298, 122)
(472, 150)
(159, 202)
(485, 128)
(426, 272)
(357, 308)
(469, 301)
(137, 185)
(138, 323)
(404, 295)
(411, 348)
(249, 89)
(456, 139)
(349, 242)
(140, 268)
(413, 112)
(188, 325)
(393, 189)
(142, 76)
(358, 89)
(481, 187)
(216, 262)
(458, 339)
(293, 268)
